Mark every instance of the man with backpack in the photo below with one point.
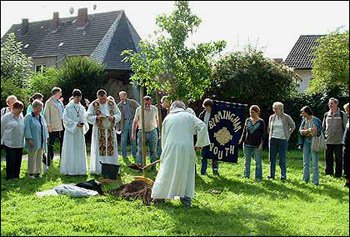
(334, 124)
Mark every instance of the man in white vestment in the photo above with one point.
(73, 161)
(176, 176)
(103, 114)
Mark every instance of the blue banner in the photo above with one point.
(225, 127)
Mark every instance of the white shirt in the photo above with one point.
(12, 131)
(278, 131)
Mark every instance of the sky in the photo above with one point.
(273, 27)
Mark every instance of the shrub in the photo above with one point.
(9, 88)
(82, 73)
(15, 68)
(317, 102)
(43, 82)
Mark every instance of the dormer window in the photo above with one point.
(40, 68)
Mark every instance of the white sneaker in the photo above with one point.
(38, 176)
(45, 168)
(31, 176)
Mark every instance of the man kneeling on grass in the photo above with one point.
(176, 176)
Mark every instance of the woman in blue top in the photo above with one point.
(36, 135)
(36, 96)
(310, 126)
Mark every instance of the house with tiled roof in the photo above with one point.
(300, 59)
(101, 36)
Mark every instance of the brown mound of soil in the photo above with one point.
(134, 190)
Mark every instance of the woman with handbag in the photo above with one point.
(12, 135)
(310, 138)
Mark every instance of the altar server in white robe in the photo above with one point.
(73, 161)
(176, 176)
(103, 114)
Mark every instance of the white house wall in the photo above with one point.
(306, 76)
(47, 61)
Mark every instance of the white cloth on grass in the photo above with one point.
(74, 191)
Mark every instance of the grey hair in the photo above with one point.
(177, 104)
(279, 105)
(37, 103)
(11, 97)
(336, 101)
(123, 93)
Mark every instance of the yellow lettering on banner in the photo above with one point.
(225, 114)
(211, 146)
(236, 120)
(232, 150)
(216, 150)
(220, 155)
(236, 124)
(216, 118)
(232, 118)
(238, 128)
(227, 150)
(220, 115)
(211, 124)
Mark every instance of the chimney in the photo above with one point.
(82, 17)
(25, 26)
(56, 21)
(278, 60)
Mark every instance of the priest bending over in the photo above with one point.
(176, 176)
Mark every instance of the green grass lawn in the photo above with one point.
(245, 207)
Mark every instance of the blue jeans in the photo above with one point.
(248, 152)
(127, 130)
(214, 164)
(307, 152)
(159, 149)
(151, 139)
(278, 146)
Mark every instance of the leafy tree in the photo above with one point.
(43, 82)
(82, 73)
(8, 88)
(167, 65)
(331, 65)
(249, 77)
(15, 68)
(15, 65)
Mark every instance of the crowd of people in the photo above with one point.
(42, 125)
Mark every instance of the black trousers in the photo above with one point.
(346, 162)
(13, 162)
(338, 151)
(52, 138)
